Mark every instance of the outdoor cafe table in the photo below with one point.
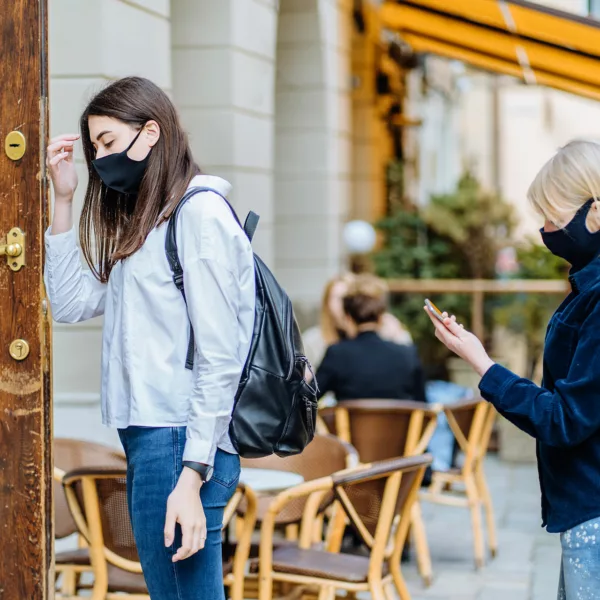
(269, 481)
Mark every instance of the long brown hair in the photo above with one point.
(329, 330)
(113, 225)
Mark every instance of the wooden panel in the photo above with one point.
(25, 409)
(504, 46)
(493, 49)
(497, 65)
(481, 11)
(552, 26)
(534, 21)
(488, 286)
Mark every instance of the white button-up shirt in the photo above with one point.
(146, 324)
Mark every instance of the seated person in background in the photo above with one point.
(334, 327)
(367, 366)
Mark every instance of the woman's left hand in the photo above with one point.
(461, 342)
(185, 507)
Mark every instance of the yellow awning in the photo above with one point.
(515, 37)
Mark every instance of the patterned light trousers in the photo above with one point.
(580, 565)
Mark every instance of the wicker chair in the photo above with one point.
(383, 429)
(472, 423)
(98, 501)
(325, 455)
(70, 454)
(377, 500)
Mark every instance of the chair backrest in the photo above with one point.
(72, 454)
(376, 496)
(471, 423)
(97, 498)
(325, 455)
(382, 429)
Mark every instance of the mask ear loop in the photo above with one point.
(134, 140)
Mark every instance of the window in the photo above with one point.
(594, 8)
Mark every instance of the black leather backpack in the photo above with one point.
(275, 409)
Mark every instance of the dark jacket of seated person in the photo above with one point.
(366, 366)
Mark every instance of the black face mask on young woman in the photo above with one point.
(121, 173)
(574, 242)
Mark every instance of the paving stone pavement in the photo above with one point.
(527, 564)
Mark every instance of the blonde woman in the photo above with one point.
(334, 326)
(563, 414)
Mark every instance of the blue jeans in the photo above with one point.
(580, 568)
(154, 456)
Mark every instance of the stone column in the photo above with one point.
(223, 75)
(312, 143)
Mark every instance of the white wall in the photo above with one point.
(217, 59)
(312, 143)
(433, 159)
(91, 43)
(224, 77)
(535, 122)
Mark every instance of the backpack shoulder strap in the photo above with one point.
(172, 254)
(251, 224)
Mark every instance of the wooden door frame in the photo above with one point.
(27, 539)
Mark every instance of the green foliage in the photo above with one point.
(529, 314)
(475, 221)
(457, 236)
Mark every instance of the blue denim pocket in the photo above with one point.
(227, 469)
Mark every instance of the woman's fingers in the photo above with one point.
(58, 158)
(443, 332)
(454, 327)
(58, 146)
(64, 137)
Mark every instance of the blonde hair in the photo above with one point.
(567, 181)
(366, 300)
(369, 285)
(327, 324)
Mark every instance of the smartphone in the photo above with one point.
(434, 310)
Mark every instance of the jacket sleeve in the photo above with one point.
(562, 418)
(75, 294)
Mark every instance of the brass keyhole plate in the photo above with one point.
(19, 349)
(15, 145)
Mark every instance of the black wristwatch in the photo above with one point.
(205, 471)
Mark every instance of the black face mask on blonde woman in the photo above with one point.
(574, 242)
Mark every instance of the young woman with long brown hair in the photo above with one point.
(172, 421)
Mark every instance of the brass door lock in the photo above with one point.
(14, 249)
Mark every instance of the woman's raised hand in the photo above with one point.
(461, 342)
(59, 159)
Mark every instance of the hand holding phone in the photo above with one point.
(434, 310)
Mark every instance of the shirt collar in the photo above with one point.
(586, 277)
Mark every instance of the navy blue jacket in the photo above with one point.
(564, 414)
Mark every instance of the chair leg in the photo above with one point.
(399, 582)
(377, 590)
(69, 582)
(486, 497)
(475, 506)
(327, 593)
(421, 545)
(389, 592)
(265, 587)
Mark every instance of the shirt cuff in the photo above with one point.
(496, 382)
(199, 451)
(61, 243)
